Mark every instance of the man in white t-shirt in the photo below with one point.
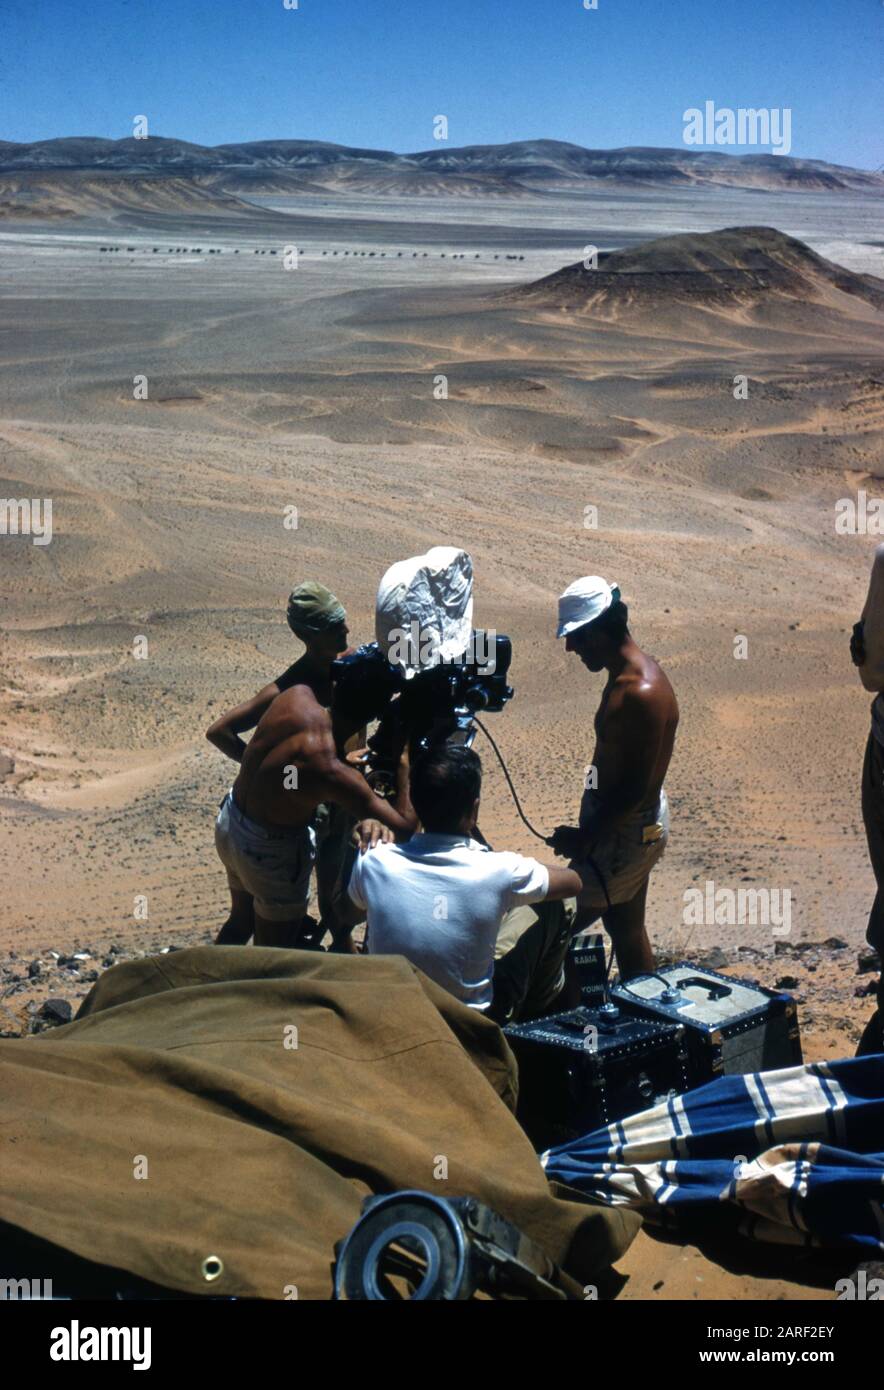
(440, 899)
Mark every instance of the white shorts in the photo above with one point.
(273, 866)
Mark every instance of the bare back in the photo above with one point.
(277, 786)
(291, 764)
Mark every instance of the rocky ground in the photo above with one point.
(832, 983)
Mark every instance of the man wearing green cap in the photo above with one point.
(318, 619)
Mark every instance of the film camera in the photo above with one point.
(436, 705)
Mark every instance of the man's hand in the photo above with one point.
(568, 842)
(858, 645)
(369, 833)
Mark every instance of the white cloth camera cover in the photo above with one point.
(429, 597)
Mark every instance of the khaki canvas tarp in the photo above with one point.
(259, 1151)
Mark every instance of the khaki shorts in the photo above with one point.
(274, 867)
(625, 858)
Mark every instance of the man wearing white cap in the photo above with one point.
(624, 816)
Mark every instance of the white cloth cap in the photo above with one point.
(583, 601)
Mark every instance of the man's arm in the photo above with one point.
(563, 883)
(324, 775)
(224, 733)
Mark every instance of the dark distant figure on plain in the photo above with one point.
(623, 825)
(867, 653)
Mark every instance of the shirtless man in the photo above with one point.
(624, 815)
(319, 620)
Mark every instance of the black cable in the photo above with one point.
(655, 975)
(547, 839)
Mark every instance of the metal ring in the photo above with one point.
(212, 1268)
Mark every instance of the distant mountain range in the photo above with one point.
(523, 167)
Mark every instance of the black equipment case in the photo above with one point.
(731, 1026)
(583, 1069)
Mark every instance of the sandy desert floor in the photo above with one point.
(315, 388)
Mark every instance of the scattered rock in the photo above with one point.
(55, 1011)
(35, 969)
(870, 987)
(866, 961)
(716, 959)
(789, 948)
(787, 982)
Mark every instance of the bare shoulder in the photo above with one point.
(297, 714)
(298, 729)
(293, 675)
(645, 692)
(299, 703)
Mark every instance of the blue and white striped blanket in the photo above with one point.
(794, 1156)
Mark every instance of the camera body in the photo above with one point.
(435, 705)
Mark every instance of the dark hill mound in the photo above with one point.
(735, 266)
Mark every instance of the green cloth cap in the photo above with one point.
(314, 608)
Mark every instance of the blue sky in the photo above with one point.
(376, 72)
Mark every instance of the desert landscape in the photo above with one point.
(418, 355)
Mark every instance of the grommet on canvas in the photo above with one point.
(212, 1268)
